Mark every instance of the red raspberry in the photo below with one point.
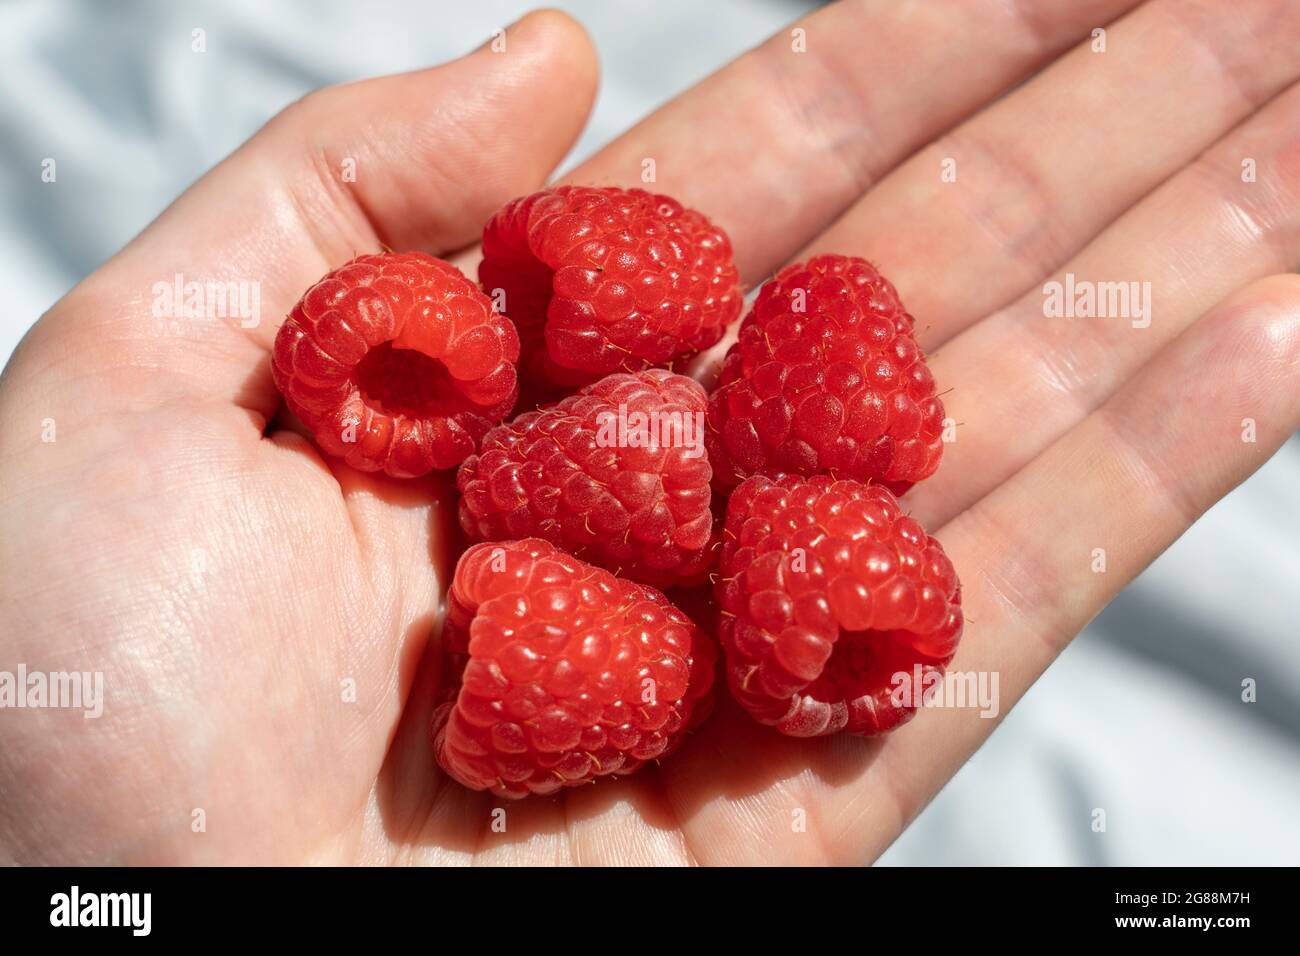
(397, 362)
(601, 280)
(828, 591)
(826, 377)
(616, 474)
(558, 672)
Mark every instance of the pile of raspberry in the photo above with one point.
(601, 491)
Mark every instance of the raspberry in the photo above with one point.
(397, 362)
(828, 591)
(599, 280)
(616, 474)
(826, 377)
(557, 672)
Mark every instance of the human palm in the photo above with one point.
(262, 616)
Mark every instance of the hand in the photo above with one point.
(232, 586)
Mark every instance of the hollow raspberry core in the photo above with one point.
(860, 664)
(407, 382)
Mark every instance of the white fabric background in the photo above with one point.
(1141, 717)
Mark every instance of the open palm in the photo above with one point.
(262, 616)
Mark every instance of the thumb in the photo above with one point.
(433, 154)
(412, 161)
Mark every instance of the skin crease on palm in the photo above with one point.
(224, 677)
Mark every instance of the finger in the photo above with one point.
(414, 160)
(776, 144)
(1021, 379)
(989, 210)
(1044, 553)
